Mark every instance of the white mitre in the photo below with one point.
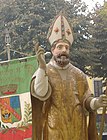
(60, 30)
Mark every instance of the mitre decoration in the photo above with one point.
(60, 30)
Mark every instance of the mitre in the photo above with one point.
(60, 30)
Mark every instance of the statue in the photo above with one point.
(60, 95)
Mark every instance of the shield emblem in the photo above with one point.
(10, 109)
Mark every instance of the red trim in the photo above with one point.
(9, 92)
(16, 133)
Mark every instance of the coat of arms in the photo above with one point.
(10, 109)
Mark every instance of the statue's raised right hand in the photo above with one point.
(40, 56)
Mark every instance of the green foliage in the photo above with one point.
(99, 34)
(29, 20)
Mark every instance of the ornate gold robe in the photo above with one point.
(63, 115)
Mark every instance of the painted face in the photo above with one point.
(61, 53)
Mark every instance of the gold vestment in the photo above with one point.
(63, 115)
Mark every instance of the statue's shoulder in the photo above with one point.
(76, 71)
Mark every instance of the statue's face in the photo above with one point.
(61, 53)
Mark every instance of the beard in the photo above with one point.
(62, 59)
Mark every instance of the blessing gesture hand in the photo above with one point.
(40, 56)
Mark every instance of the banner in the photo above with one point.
(15, 102)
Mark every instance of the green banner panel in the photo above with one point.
(15, 75)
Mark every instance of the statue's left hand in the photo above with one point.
(101, 101)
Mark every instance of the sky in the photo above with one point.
(91, 3)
